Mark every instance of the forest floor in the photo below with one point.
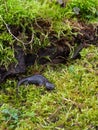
(59, 42)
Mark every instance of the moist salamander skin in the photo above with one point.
(37, 80)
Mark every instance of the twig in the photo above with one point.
(69, 100)
(15, 36)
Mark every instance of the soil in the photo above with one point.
(57, 52)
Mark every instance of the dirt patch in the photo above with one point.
(87, 35)
(57, 52)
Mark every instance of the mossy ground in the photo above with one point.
(73, 105)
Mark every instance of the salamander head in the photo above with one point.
(49, 86)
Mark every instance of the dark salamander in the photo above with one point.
(37, 80)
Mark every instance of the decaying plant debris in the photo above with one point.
(57, 52)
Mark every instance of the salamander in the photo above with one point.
(36, 79)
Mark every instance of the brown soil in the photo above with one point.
(57, 52)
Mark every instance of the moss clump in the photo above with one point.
(22, 18)
(74, 102)
(72, 105)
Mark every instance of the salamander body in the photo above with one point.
(37, 80)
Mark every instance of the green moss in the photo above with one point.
(72, 105)
(22, 15)
(74, 102)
